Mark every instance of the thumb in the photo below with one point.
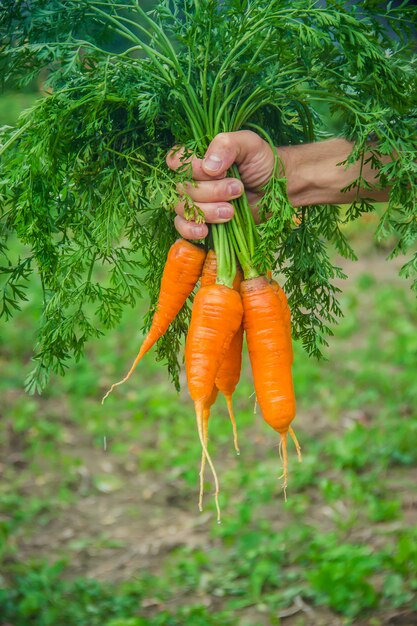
(228, 148)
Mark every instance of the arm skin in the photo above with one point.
(312, 172)
(314, 176)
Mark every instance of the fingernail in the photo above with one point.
(234, 189)
(224, 212)
(212, 163)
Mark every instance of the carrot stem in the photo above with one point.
(226, 262)
(241, 250)
(242, 207)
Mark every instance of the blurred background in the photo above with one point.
(99, 524)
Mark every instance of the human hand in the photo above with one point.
(213, 191)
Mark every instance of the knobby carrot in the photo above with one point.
(270, 358)
(181, 273)
(216, 316)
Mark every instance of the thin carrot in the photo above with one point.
(270, 358)
(229, 372)
(216, 316)
(228, 377)
(181, 273)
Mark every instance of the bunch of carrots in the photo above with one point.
(227, 305)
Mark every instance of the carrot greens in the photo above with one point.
(83, 182)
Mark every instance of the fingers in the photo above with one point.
(215, 213)
(213, 190)
(174, 160)
(190, 230)
(211, 197)
(240, 147)
(228, 148)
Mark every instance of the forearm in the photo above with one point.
(314, 176)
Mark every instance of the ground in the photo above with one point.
(98, 505)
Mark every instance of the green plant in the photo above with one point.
(341, 577)
(84, 183)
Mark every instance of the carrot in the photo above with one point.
(228, 377)
(286, 311)
(216, 316)
(229, 372)
(181, 273)
(287, 319)
(209, 273)
(270, 359)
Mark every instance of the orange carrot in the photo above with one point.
(228, 377)
(229, 372)
(209, 273)
(216, 316)
(270, 358)
(181, 273)
(285, 310)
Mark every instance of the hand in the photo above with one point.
(255, 161)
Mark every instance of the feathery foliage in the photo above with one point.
(84, 185)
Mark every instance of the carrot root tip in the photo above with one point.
(233, 421)
(120, 382)
(200, 498)
(297, 445)
(106, 395)
(205, 420)
(256, 401)
(284, 457)
(199, 418)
